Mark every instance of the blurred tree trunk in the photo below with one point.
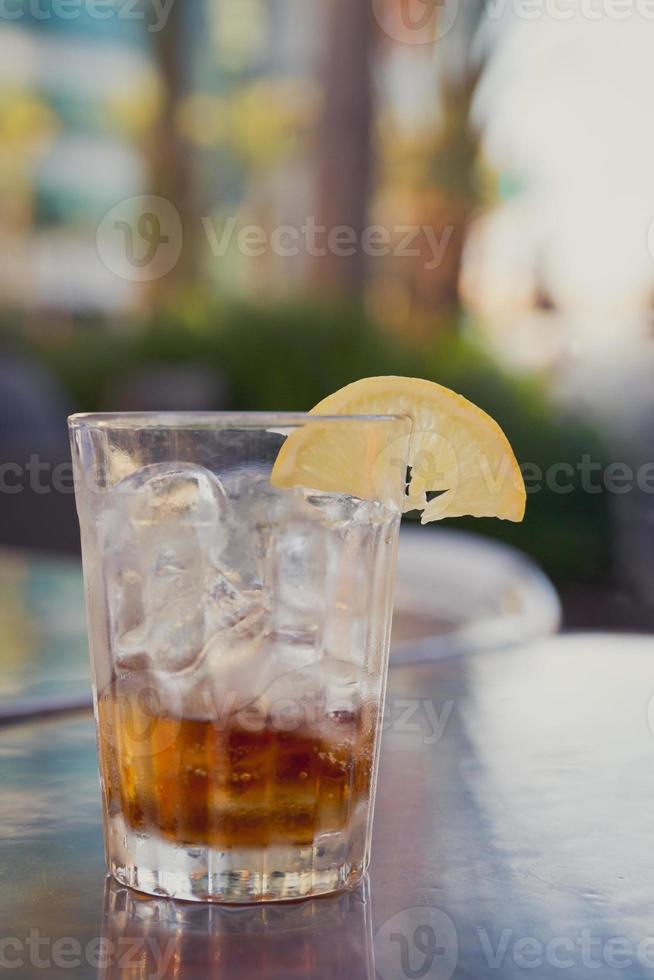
(171, 157)
(344, 150)
(451, 198)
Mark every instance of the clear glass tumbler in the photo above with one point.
(239, 640)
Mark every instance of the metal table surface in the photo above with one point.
(512, 839)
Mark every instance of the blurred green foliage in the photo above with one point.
(288, 357)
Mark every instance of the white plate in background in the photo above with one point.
(457, 591)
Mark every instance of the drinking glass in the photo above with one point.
(239, 639)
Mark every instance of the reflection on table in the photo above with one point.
(320, 938)
(43, 646)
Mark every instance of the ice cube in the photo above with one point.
(170, 639)
(228, 600)
(162, 533)
(349, 592)
(240, 662)
(340, 511)
(126, 600)
(344, 686)
(287, 651)
(182, 493)
(259, 507)
(231, 671)
(296, 565)
(329, 688)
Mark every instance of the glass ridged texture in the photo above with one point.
(239, 640)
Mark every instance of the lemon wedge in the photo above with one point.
(456, 451)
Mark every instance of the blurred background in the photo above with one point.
(245, 204)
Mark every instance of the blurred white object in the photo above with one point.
(459, 592)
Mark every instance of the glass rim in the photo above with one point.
(218, 420)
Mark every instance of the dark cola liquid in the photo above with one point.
(234, 783)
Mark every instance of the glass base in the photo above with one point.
(156, 866)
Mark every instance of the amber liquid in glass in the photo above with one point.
(241, 782)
